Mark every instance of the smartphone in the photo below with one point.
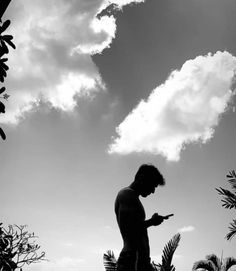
(167, 216)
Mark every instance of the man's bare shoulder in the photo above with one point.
(127, 194)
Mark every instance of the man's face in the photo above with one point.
(148, 188)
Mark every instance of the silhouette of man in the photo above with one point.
(130, 214)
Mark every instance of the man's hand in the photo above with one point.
(157, 219)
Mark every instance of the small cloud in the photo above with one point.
(107, 227)
(185, 109)
(158, 258)
(69, 245)
(186, 229)
(102, 249)
(62, 264)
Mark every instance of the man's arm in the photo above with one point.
(155, 220)
(148, 223)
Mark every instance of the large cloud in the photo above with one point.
(184, 109)
(55, 40)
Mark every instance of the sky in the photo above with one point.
(98, 91)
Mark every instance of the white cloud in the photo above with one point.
(66, 263)
(158, 258)
(186, 229)
(108, 227)
(125, 2)
(185, 109)
(55, 40)
(103, 249)
(62, 264)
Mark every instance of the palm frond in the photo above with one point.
(215, 261)
(228, 263)
(156, 267)
(168, 253)
(232, 230)
(203, 264)
(109, 261)
(5, 26)
(229, 200)
(232, 179)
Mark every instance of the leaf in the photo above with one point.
(156, 267)
(214, 260)
(4, 47)
(204, 264)
(231, 174)
(109, 261)
(2, 75)
(11, 44)
(4, 66)
(168, 253)
(229, 262)
(5, 26)
(229, 199)
(6, 96)
(232, 230)
(232, 179)
(2, 107)
(7, 37)
(1, 91)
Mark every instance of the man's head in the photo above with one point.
(147, 179)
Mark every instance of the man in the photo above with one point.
(130, 214)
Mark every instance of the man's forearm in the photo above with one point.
(148, 223)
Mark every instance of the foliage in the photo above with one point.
(168, 253)
(110, 261)
(213, 263)
(17, 248)
(229, 201)
(5, 42)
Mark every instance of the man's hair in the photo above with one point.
(149, 171)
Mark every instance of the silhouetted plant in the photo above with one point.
(168, 253)
(17, 248)
(5, 42)
(110, 261)
(3, 7)
(213, 263)
(229, 201)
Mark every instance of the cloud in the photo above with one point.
(121, 3)
(64, 263)
(100, 250)
(183, 110)
(55, 40)
(158, 258)
(186, 229)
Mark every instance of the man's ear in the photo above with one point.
(142, 181)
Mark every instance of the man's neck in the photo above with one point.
(135, 187)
